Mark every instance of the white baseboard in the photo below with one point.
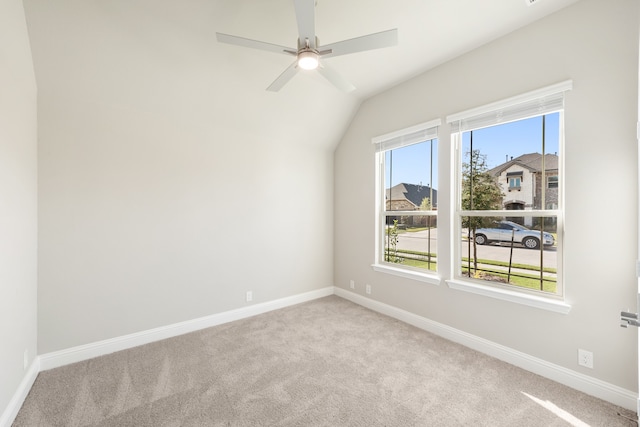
(584, 383)
(11, 411)
(592, 386)
(100, 348)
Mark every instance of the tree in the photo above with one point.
(392, 240)
(480, 191)
(425, 205)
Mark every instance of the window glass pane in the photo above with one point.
(508, 171)
(508, 166)
(508, 250)
(411, 240)
(551, 192)
(411, 177)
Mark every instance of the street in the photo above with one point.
(417, 241)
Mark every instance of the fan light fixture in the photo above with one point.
(308, 60)
(308, 51)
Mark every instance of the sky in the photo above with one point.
(499, 143)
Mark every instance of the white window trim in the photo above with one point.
(550, 304)
(405, 272)
(411, 135)
(400, 138)
(487, 116)
(487, 113)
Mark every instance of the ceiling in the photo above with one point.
(162, 57)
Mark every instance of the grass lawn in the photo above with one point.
(485, 272)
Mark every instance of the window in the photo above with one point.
(514, 182)
(407, 200)
(512, 145)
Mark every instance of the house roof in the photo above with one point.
(531, 161)
(412, 193)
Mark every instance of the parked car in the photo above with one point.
(505, 230)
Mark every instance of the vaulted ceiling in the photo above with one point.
(162, 57)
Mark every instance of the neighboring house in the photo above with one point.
(409, 197)
(520, 180)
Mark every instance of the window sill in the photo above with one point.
(549, 304)
(433, 279)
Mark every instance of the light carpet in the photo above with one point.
(327, 362)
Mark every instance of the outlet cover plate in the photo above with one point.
(585, 358)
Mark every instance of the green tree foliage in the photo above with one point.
(480, 191)
(392, 249)
(425, 205)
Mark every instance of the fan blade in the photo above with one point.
(255, 44)
(305, 15)
(359, 44)
(284, 78)
(335, 79)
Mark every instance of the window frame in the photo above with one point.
(515, 179)
(509, 110)
(420, 133)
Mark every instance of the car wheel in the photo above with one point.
(481, 239)
(531, 243)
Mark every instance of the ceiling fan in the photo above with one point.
(308, 52)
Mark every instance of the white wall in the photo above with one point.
(594, 43)
(164, 193)
(18, 199)
(145, 221)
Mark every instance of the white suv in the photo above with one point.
(505, 231)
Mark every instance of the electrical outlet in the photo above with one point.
(585, 358)
(368, 288)
(249, 296)
(25, 359)
(352, 284)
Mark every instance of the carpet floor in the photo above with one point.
(327, 362)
